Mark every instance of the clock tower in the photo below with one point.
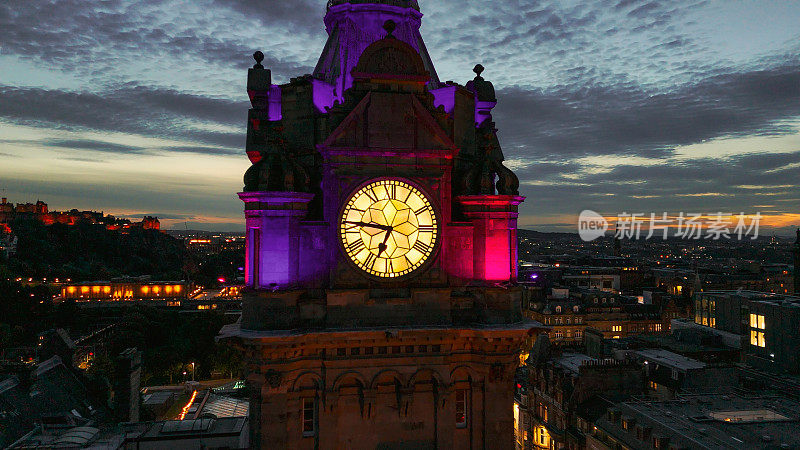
(796, 257)
(381, 309)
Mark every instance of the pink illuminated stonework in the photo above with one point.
(381, 308)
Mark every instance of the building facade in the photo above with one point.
(381, 309)
(560, 393)
(569, 313)
(766, 324)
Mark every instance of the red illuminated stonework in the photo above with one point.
(387, 318)
(41, 212)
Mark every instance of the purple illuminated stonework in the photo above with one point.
(381, 257)
(353, 26)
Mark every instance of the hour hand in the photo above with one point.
(371, 225)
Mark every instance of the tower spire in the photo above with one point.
(353, 25)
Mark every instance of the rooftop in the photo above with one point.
(711, 421)
(668, 359)
(572, 361)
(754, 295)
(208, 427)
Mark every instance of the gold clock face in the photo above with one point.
(389, 228)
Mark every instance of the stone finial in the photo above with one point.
(258, 56)
(389, 26)
(478, 70)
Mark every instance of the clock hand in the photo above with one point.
(382, 246)
(371, 225)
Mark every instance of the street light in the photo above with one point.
(192, 371)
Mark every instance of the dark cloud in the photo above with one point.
(645, 10)
(104, 39)
(108, 147)
(624, 119)
(146, 111)
(301, 15)
(87, 144)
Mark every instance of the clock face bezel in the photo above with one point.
(436, 216)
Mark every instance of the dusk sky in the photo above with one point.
(139, 107)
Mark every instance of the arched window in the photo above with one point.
(558, 309)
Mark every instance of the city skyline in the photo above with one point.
(135, 108)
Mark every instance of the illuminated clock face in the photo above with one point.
(389, 228)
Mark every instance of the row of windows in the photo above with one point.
(308, 415)
(569, 334)
(384, 350)
(562, 321)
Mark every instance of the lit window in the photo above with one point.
(309, 422)
(541, 436)
(616, 328)
(461, 408)
(757, 327)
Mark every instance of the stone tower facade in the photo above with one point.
(381, 308)
(796, 257)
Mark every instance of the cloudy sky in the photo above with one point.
(139, 106)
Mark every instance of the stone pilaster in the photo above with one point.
(494, 220)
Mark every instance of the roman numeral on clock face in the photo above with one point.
(371, 258)
(421, 210)
(355, 247)
(425, 228)
(422, 247)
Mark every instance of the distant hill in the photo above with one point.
(91, 252)
(541, 236)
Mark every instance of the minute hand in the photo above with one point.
(372, 225)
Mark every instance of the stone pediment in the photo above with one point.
(392, 122)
